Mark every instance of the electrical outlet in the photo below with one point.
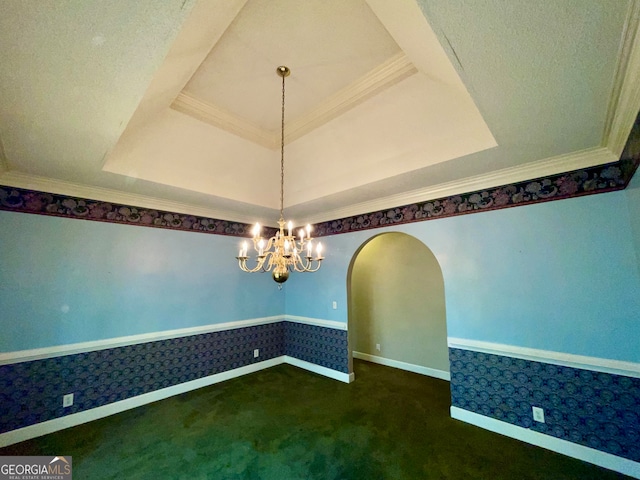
(538, 414)
(67, 400)
(377, 346)
(335, 305)
(256, 353)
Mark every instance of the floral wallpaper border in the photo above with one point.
(599, 179)
(588, 181)
(42, 203)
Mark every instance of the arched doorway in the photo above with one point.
(397, 313)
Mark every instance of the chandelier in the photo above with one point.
(282, 253)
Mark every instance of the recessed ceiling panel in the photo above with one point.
(415, 124)
(182, 152)
(328, 44)
(386, 97)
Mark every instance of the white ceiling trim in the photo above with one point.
(60, 187)
(541, 168)
(385, 75)
(220, 118)
(625, 97)
(388, 73)
(550, 166)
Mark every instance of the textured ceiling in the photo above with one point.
(177, 105)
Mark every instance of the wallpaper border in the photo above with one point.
(23, 200)
(588, 181)
(577, 183)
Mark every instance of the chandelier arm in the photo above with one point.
(242, 262)
(265, 248)
(311, 270)
(298, 268)
(296, 264)
(308, 268)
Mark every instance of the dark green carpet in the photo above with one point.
(286, 423)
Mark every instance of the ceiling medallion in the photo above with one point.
(282, 253)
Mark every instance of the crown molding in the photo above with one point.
(550, 166)
(51, 185)
(220, 118)
(624, 102)
(390, 72)
(541, 168)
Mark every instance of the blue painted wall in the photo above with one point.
(559, 276)
(556, 276)
(633, 199)
(65, 281)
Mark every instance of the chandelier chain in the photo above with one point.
(282, 156)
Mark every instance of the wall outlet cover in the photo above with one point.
(256, 353)
(538, 414)
(67, 400)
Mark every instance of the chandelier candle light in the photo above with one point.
(282, 253)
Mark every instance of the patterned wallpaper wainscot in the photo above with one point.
(594, 409)
(31, 391)
(322, 346)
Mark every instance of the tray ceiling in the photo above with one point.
(178, 107)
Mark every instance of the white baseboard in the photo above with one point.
(50, 426)
(596, 457)
(74, 419)
(410, 367)
(327, 372)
